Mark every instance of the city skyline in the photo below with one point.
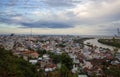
(76, 17)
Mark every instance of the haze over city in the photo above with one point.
(81, 17)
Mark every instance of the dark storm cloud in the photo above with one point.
(46, 24)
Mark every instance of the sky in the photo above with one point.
(76, 17)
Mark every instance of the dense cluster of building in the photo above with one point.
(87, 59)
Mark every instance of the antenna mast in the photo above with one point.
(31, 31)
(118, 31)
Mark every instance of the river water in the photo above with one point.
(95, 42)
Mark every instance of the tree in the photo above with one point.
(115, 52)
(41, 52)
(67, 61)
(64, 72)
(12, 66)
(56, 58)
(113, 71)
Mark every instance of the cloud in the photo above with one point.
(40, 3)
(85, 14)
(28, 23)
(13, 20)
(61, 3)
(97, 11)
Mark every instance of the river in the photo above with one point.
(95, 42)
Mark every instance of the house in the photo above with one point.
(34, 55)
(43, 64)
(50, 67)
(40, 59)
(33, 61)
(88, 65)
(46, 57)
(75, 69)
(116, 62)
(82, 76)
(31, 54)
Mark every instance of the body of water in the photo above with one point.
(95, 42)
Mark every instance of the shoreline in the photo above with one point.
(110, 42)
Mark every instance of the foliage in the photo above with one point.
(56, 58)
(41, 52)
(80, 40)
(67, 61)
(61, 45)
(64, 72)
(113, 71)
(111, 42)
(61, 58)
(12, 66)
(64, 59)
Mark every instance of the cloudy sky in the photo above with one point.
(81, 17)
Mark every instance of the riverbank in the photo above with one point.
(110, 42)
(95, 42)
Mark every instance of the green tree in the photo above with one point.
(115, 52)
(64, 72)
(67, 61)
(12, 66)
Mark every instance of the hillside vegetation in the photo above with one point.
(12, 66)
